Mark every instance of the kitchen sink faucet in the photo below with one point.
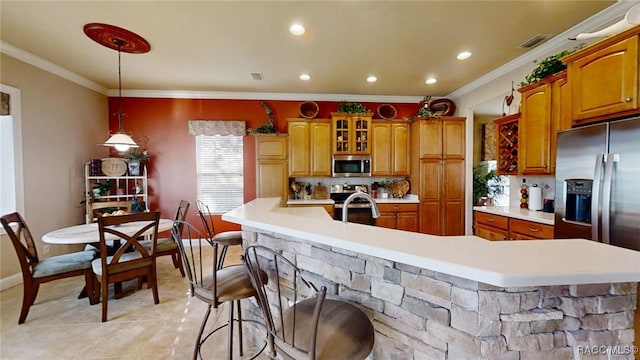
(375, 212)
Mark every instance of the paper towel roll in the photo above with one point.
(535, 198)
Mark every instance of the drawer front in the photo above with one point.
(490, 233)
(397, 207)
(531, 229)
(500, 222)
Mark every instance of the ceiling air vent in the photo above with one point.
(257, 76)
(534, 41)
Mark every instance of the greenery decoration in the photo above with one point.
(269, 127)
(352, 108)
(140, 153)
(103, 187)
(484, 182)
(547, 66)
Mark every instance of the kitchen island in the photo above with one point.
(461, 297)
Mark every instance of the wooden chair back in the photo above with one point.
(119, 263)
(98, 208)
(22, 241)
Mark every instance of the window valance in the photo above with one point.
(217, 127)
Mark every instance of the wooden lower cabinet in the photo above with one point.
(491, 227)
(495, 227)
(526, 230)
(398, 216)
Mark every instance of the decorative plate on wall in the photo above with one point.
(114, 167)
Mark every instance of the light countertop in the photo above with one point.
(522, 214)
(500, 263)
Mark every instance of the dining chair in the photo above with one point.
(131, 260)
(224, 238)
(167, 246)
(36, 271)
(302, 323)
(98, 208)
(211, 284)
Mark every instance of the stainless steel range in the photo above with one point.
(359, 209)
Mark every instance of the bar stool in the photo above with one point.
(225, 238)
(301, 322)
(212, 284)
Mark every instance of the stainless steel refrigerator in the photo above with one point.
(598, 183)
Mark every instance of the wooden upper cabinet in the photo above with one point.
(299, 146)
(534, 136)
(400, 149)
(271, 147)
(320, 148)
(390, 149)
(351, 134)
(544, 111)
(604, 78)
(442, 137)
(380, 149)
(309, 147)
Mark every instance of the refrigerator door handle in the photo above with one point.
(606, 195)
(595, 198)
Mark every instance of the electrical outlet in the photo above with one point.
(46, 249)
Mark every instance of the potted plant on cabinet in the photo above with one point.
(102, 188)
(137, 157)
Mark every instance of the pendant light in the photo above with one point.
(122, 40)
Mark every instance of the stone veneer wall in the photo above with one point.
(423, 314)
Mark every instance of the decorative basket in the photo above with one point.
(308, 109)
(399, 188)
(387, 111)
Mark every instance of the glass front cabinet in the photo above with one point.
(351, 134)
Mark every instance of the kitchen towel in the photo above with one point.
(535, 198)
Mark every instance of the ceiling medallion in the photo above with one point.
(117, 38)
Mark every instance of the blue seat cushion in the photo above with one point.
(64, 263)
(96, 264)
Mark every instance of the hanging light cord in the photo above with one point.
(120, 115)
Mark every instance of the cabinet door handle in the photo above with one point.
(627, 99)
(490, 220)
(534, 230)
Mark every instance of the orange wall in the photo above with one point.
(172, 168)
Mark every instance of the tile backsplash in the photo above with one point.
(547, 183)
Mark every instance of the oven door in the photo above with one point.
(360, 215)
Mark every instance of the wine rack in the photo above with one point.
(507, 128)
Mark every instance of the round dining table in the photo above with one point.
(88, 233)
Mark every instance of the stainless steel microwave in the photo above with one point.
(351, 165)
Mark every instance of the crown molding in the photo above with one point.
(229, 95)
(552, 46)
(50, 67)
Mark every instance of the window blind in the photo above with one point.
(219, 167)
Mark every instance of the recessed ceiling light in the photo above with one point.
(297, 29)
(463, 55)
(372, 79)
(431, 81)
(305, 77)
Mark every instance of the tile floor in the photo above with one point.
(60, 326)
